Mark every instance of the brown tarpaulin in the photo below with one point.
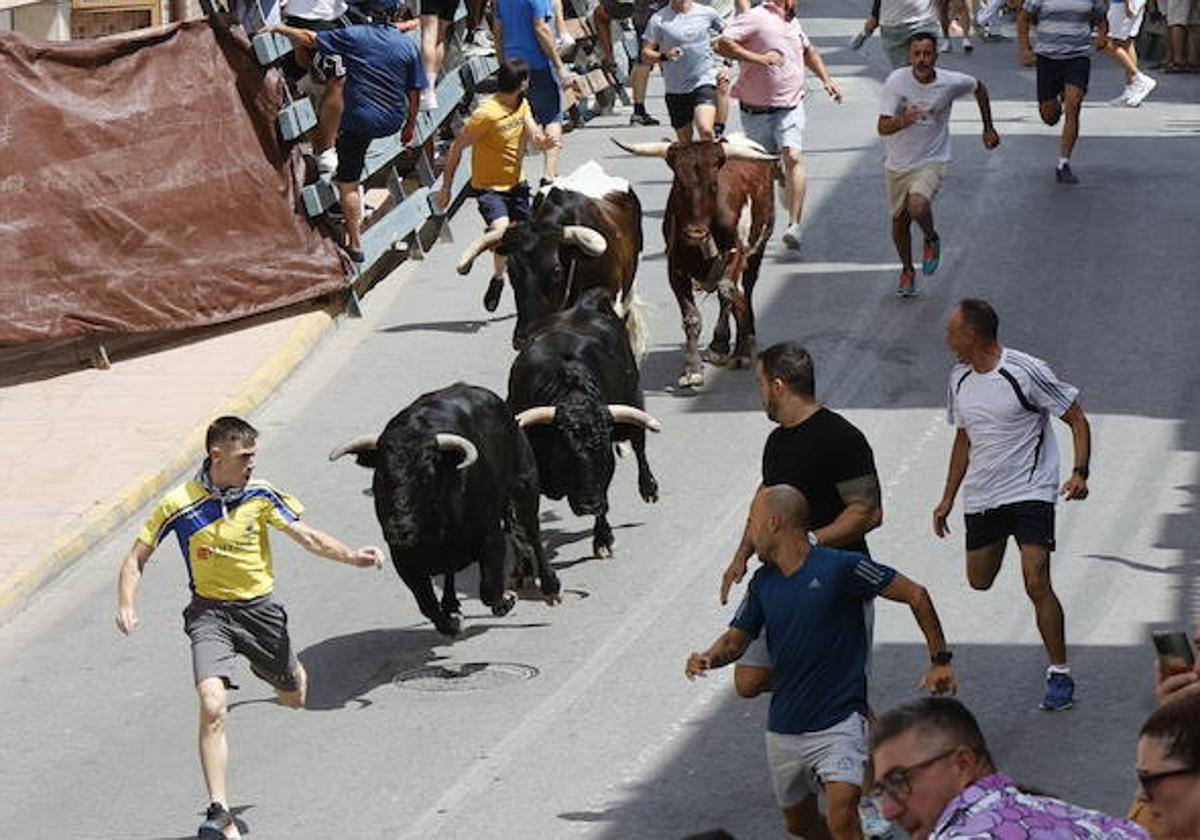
(144, 193)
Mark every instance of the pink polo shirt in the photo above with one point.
(760, 30)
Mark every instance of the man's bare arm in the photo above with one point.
(939, 679)
(959, 457)
(1076, 486)
(863, 512)
(728, 647)
(128, 580)
(323, 545)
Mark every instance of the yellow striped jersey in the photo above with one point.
(225, 548)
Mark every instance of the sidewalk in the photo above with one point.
(82, 452)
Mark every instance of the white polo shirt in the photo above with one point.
(1006, 415)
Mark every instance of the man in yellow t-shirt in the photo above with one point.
(219, 519)
(499, 130)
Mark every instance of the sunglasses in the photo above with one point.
(1149, 780)
(897, 783)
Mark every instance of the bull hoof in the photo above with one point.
(691, 379)
(602, 551)
(507, 602)
(552, 600)
(716, 358)
(451, 626)
(649, 491)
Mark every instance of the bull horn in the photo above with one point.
(658, 150)
(733, 151)
(446, 441)
(589, 240)
(537, 416)
(484, 243)
(630, 414)
(361, 442)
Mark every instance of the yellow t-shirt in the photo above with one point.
(495, 160)
(228, 555)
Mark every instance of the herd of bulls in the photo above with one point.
(459, 473)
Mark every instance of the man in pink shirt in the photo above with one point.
(773, 51)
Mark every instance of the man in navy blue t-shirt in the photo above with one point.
(811, 602)
(384, 79)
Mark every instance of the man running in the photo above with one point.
(640, 11)
(810, 601)
(499, 130)
(679, 38)
(773, 51)
(220, 520)
(898, 21)
(1064, 64)
(1124, 24)
(914, 121)
(1006, 460)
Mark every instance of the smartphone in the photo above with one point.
(1174, 650)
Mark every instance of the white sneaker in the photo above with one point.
(791, 237)
(480, 43)
(944, 46)
(327, 162)
(1141, 87)
(1123, 99)
(429, 99)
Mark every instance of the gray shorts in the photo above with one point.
(801, 765)
(255, 629)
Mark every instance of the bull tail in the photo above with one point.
(632, 310)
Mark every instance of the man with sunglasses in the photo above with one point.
(935, 777)
(1168, 767)
(809, 600)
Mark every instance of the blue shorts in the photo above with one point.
(545, 97)
(498, 204)
(776, 130)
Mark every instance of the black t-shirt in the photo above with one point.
(816, 456)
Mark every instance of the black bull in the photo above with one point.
(576, 392)
(453, 475)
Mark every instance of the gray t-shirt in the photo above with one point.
(691, 31)
(928, 139)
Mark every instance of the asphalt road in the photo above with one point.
(607, 739)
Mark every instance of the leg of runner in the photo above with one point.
(1035, 567)
(920, 210)
(295, 699)
(796, 184)
(550, 156)
(331, 115)
(804, 820)
(841, 810)
(214, 748)
(703, 118)
(1072, 103)
(983, 564)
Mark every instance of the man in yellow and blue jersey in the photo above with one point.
(219, 518)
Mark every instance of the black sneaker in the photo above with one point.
(491, 298)
(643, 119)
(218, 825)
(1064, 175)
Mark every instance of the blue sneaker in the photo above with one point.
(931, 255)
(1060, 693)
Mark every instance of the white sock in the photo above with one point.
(1059, 669)
(1062, 161)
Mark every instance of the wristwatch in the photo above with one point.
(942, 657)
(1082, 472)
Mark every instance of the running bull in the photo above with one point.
(575, 391)
(719, 216)
(453, 475)
(585, 232)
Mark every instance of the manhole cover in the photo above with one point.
(468, 676)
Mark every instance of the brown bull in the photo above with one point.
(719, 216)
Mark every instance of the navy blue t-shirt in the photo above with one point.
(816, 634)
(382, 65)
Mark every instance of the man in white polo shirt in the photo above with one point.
(1006, 459)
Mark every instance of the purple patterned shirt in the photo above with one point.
(993, 809)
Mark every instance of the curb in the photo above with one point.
(104, 518)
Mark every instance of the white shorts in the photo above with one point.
(1121, 28)
(801, 765)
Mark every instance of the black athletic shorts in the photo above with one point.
(1054, 74)
(1028, 522)
(445, 9)
(681, 106)
(256, 629)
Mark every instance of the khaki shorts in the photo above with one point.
(925, 180)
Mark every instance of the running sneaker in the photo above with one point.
(931, 255)
(1060, 693)
(218, 825)
(327, 163)
(1064, 175)
(908, 284)
(491, 298)
(791, 237)
(643, 119)
(1140, 89)
(1123, 99)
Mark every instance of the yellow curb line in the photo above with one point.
(107, 516)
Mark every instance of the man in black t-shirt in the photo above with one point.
(822, 455)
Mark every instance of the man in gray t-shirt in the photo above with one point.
(914, 122)
(679, 37)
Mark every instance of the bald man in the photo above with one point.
(811, 600)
